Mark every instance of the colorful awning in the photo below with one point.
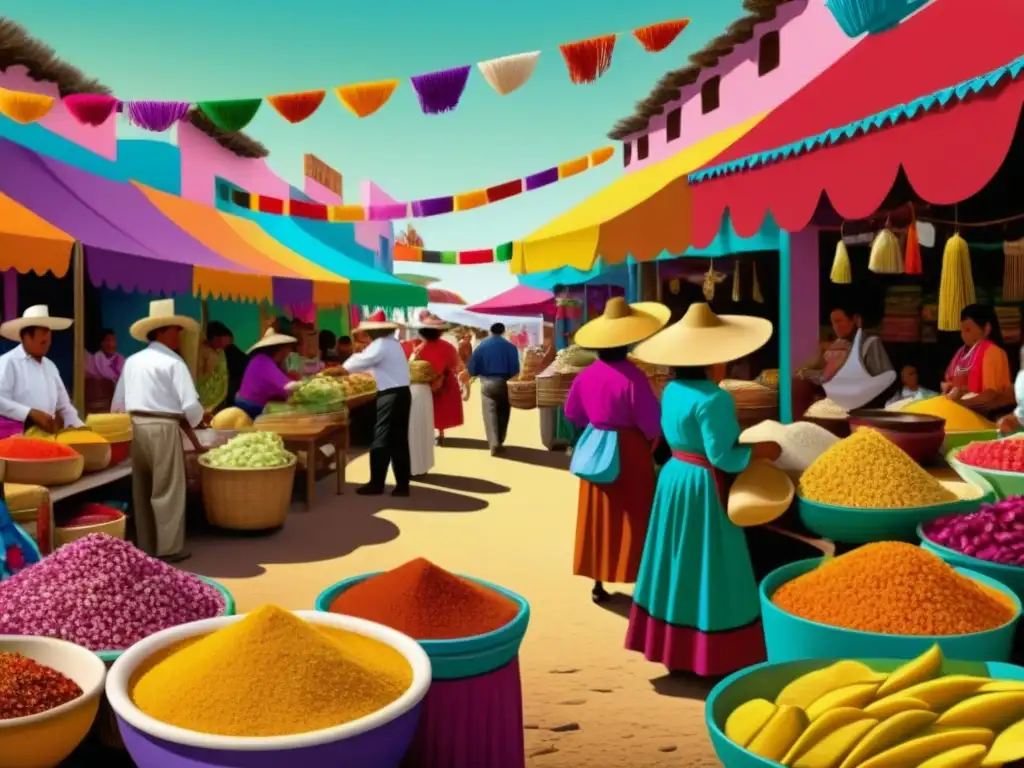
(946, 112)
(522, 300)
(641, 214)
(29, 243)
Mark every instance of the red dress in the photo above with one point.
(448, 396)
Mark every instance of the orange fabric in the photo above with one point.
(448, 397)
(242, 286)
(405, 252)
(29, 243)
(468, 200)
(601, 156)
(995, 370)
(571, 168)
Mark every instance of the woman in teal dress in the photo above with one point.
(695, 605)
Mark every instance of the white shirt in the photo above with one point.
(385, 359)
(156, 380)
(28, 384)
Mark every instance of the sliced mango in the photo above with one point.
(889, 733)
(857, 695)
(943, 692)
(806, 689)
(829, 722)
(1008, 746)
(780, 733)
(747, 720)
(916, 751)
(970, 756)
(994, 711)
(830, 751)
(893, 705)
(920, 670)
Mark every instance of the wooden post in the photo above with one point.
(78, 278)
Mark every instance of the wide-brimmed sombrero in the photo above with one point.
(378, 321)
(704, 338)
(760, 495)
(623, 324)
(272, 339)
(161, 315)
(429, 320)
(37, 316)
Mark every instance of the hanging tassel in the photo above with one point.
(1013, 270)
(587, 60)
(842, 273)
(156, 116)
(886, 257)
(296, 107)
(231, 115)
(440, 92)
(655, 38)
(601, 156)
(509, 73)
(363, 99)
(956, 287)
(736, 282)
(90, 108)
(758, 296)
(912, 263)
(23, 107)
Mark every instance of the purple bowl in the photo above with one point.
(380, 739)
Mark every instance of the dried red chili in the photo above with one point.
(28, 687)
(32, 448)
(427, 603)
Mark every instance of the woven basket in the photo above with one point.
(96, 455)
(522, 394)
(247, 499)
(115, 528)
(46, 472)
(553, 390)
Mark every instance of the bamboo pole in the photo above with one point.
(78, 281)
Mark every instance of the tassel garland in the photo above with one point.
(912, 263)
(886, 257)
(736, 291)
(842, 272)
(156, 116)
(1013, 270)
(23, 107)
(655, 38)
(509, 73)
(363, 99)
(90, 108)
(587, 60)
(757, 295)
(230, 115)
(956, 287)
(296, 107)
(439, 92)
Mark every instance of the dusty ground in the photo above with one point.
(587, 701)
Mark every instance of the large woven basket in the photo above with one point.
(247, 499)
(553, 389)
(522, 394)
(46, 472)
(96, 455)
(116, 527)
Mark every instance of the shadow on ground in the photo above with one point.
(619, 604)
(461, 484)
(684, 686)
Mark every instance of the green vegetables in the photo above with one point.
(252, 450)
(319, 394)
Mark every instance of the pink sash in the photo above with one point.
(10, 428)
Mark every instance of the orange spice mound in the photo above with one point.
(426, 602)
(894, 589)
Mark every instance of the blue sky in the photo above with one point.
(192, 49)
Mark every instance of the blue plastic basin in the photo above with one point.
(1011, 576)
(999, 483)
(791, 638)
(467, 656)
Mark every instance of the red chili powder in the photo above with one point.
(28, 688)
(33, 448)
(427, 603)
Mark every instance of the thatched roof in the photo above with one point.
(669, 87)
(19, 48)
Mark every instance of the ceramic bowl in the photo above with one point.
(919, 436)
(46, 739)
(1010, 575)
(380, 739)
(466, 656)
(1000, 483)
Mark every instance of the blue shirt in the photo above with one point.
(495, 357)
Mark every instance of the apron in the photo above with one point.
(853, 387)
(966, 371)
(835, 358)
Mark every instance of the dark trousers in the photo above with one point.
(494, 398)
(391, 438)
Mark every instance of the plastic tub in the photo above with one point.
(1011, 576)
(465, 657)
(791, 638)
(767, 680)
(860, 525)
(379, 739)
(956, 440)
(999, 483)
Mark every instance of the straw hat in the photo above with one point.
(427, 319)
(623, 324)
(272, 338)
(704, 338)
(34, 317)
(760, 495)
(161, 315)
(378, 321)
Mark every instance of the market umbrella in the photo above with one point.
(441, 296)
(521, 300)
(423, 280)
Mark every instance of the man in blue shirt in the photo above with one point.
(495, 361)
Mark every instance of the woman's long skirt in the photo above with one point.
(611, 519)
(695, 605)
(448, 403)
(421, 430)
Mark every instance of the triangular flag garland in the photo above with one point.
(438, 92)
(414, 254)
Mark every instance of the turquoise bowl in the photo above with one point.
(997, 482)
(852, 525)
(956, 440)
(1011, 576)
(766, 681)
(466, 656)
(791, 638)
(109, 657)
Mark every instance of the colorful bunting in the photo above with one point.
(587, 60)
(90, 108)
(296, 107)
(509, 73)
(655, 38)
(410, 253)
(230, 115)
(440, 92)
(157, 116)
(23, 107)
(363, 99)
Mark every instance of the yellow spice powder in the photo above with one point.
(958, 417)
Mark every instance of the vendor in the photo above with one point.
(344, 349)
(265, 379)
(212, 380)
(979, 374)
(910, 388)
(304, 359)
(445, 360)
(1012, 422)
(106, 362)
(219, 337)
(31, 391)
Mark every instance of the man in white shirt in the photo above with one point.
(386, 360)
(31, 391)
(157, 390)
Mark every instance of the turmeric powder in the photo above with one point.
(270, 674)
(958, 417)
(893, 588)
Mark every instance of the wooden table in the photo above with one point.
(336, 435)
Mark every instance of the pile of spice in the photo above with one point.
(958, 417)
(802, 442)
(104, 594)
(867, 471)
(825, 409)
(893, 588)
(270, 674)
(1003, 455)
(994, 533)
(426, 602)
(29, 688)
(34, 449)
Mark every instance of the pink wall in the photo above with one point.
(100, 139)
(368, 233)
(320, 193)
(810, 42)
